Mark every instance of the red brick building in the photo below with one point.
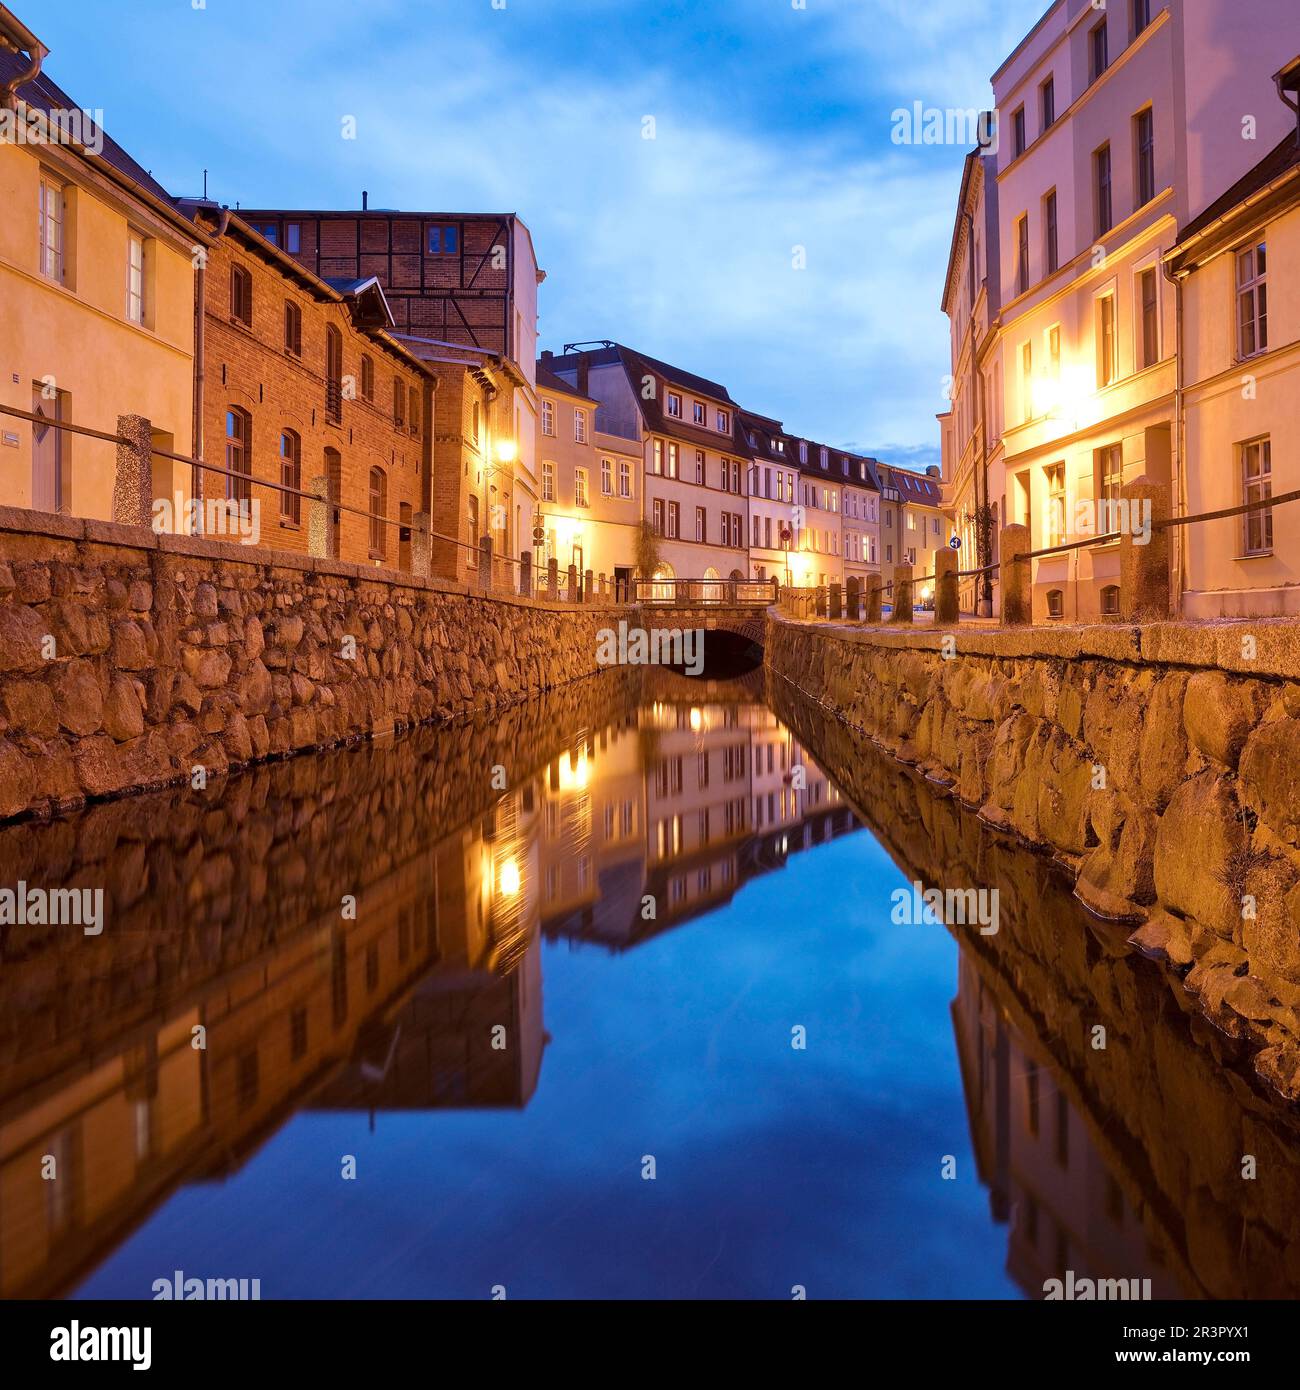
(300, 380)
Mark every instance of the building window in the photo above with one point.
(443, 240)
(624, 478)
(698, 413)
(378, 510)
(548, 418)
(293, 237)
(580, 487)
(1147, 293)
(269, 230)
(1055, 503)
(1144, 143)
(292, 328)
(1110, 478)
(674, 520)
(701, 525)
(673, 453)
(1101, 190)
(1054, 352)
(241, 296)
(1018, 141)
(1106, 364)
(1257, 486)
(1022, 254)
(548, 481)
(1048, 93)
(1055, 603)
(290, 476)
(580, 426)
(1098, 50)
(699, 466)
(367, 379)
(399, 402)
(1051, 243)
(413, 412)
(1027, 380)
(135, 279)
(333, 374)
(1141, 16)
(674, 405)
(657, 516)
(607, 477)
(1252, 299)
(724, 421)
(239, 455)
(1110, 601)
(51, 229)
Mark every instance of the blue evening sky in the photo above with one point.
(772, 128)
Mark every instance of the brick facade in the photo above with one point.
(251, 369)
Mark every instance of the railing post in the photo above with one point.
(526, 574)
(552, 579)
(133, 480)
(872, 614)
(947, 603)
(573, 596)
(485, 563)
(902, 610)
(776, 589)
(821, 601)
(853, 588)
(837, 607)
(1015, 583)
(1144, 552)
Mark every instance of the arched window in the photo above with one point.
(239, 455)
(367, 379)
(415, 412)
(290, 476)
(334, 474)
(292, 328)
(399, 402)
(1110, 600)
(334, 374)
(378, 510)
(1055, 603)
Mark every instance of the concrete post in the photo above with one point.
(1144, 588)
(600, 588)
(1015, 582)
(821, 601)
(873, 598)
(420, 550)
(853, 608)
(902, 612)
(837, 606)
(526, 574)
(485, 563)
(133, 481)
(552, 579)
(320, 534)
(947, 604)
(588, 592)
(573, 595)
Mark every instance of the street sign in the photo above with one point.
(539, 535)
(955, 543)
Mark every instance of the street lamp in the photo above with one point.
(506, 450)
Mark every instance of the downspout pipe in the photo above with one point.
(16, 37)
(200, 353)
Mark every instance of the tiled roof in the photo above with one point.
(1279, 159)
(548, 381)
(43, 94)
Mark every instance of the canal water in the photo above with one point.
(622, 994)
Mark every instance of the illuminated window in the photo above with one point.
(1257, 485)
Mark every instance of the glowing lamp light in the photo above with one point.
(506, 450)
(509, 879)
(697, 720)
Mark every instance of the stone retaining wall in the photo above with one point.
(129, 659)
(1160, 764)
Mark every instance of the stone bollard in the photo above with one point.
(836, 603)
(1015, 582)
(821, 601)
(1144, 588)
(552, 579)
(947, 603)
(853, 607)
(320, 533)
(872, 614)
(588, 591)
(485, 562)
(573, 595)
(526, 574)
(902, 611)
(133, 480)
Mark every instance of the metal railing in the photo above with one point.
(735, 593)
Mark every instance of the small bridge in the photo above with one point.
(734, 606)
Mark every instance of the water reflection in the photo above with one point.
(631, 809)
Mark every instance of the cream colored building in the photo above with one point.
(96, 298)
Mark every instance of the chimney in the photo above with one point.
(547, 354)
(365, 200)
(584, 372)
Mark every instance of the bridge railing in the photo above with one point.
(681, 593)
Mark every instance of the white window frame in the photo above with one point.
(548, 481)
(548, 418)
(673, 405)
(579, 425)
(580, 495)
(1254, 286)
(51, 228)
(1253, 487)
(135, 278)
(624, 478)
(607, 477)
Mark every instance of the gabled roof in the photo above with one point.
(920, 488)
(368, 298)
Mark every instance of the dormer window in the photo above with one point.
(724, 421)
(699, 415)
(674, 405)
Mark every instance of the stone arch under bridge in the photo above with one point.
(745, 621)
